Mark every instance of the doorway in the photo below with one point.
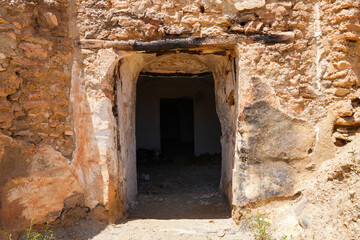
(177, 126)
(138, 77)
(178, 148)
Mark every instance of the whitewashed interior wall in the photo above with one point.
(207, 129)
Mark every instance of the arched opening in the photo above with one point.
(176, 134)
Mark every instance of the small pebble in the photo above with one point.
(310, 166)
(220, 233)
(304, 222)
(352, 193)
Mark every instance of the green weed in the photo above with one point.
(261, 227)
(32, 234)
(286, 237)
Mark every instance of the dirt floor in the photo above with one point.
(177, 200)
(180, 190)
(153, 229)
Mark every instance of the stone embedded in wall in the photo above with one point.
(8, 45)
(341, 92)
(249, 4)
(51, 19)
(34, 51)
(5, 105)
(343, 108)
(3, 62)
(6, 114)
(9, 85)
(346, 125)
(307, 92)
(74, 209)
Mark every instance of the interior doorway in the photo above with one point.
(178, 148)
(177, 126)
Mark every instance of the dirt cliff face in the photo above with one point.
(286, 107)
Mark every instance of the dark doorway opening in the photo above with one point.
(177, 126)
(178, 148)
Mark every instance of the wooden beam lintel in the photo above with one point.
(224, 43)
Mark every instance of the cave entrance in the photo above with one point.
(178, 148)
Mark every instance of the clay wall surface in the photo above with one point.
(285, 107)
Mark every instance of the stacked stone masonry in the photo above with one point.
(35, 74)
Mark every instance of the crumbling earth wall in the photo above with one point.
(293, 104)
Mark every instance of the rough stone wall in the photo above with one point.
(116, 19)
(308, 93)
(278, 109)
(307, 90)
(340, 75)
(35, 116)
(35, 56)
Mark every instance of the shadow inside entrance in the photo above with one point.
(175, 120)
(186, 188)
